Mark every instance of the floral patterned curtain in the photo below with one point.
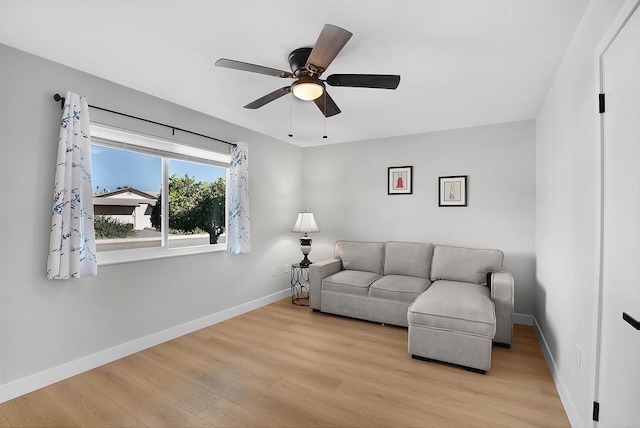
(238, 230)
(72, 247)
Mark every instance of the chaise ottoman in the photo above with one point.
(454, 322)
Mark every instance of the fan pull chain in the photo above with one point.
(291, 116)
(325, 128)
(325, 116)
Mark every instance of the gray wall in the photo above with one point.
(566, 213)
(346, 187)
(44, 324)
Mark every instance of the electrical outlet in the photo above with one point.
(274, 271)
(286, 268)
(578, 355)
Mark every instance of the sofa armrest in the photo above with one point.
(317, 272)
(501, 284)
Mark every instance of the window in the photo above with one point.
(155, 198)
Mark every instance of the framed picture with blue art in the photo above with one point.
(452, 191)
(400, 180)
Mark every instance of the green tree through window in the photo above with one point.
(194, 205)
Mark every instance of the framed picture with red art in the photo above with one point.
(400, 180)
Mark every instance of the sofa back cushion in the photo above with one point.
(408, 258)
(364, 256)
(464, 264)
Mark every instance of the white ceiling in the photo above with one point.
(463, 62)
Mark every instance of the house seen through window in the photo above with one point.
(150, 197)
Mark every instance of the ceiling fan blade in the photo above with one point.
(379, 81)
(330, 42)
(253, 68)
(269, 97)
(330, 108)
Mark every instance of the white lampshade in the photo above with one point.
(305, 223)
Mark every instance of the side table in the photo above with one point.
(300, 285)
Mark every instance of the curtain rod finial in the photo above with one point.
(57, 97)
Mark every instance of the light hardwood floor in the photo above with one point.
(282, 365)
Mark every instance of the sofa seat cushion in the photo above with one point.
(398, 287)
(350, 282)
(455, 306)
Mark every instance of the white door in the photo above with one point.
(619, 374)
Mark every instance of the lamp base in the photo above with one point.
(305, 247)
(305, 262)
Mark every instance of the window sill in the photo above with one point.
(106, 258)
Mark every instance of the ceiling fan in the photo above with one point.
(307, 65)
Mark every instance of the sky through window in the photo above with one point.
(115, 168)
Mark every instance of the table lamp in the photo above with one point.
(305, 224)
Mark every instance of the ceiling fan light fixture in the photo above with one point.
(307, 65)
(307, 90)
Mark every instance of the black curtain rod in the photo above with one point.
(58, 97)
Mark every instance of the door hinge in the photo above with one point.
(596, 411)
(601, 103)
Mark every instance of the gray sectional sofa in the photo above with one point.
(455, 301)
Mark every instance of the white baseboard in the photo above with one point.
(39, 380)
(523, 319)
(567, 402)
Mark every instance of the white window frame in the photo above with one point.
(104, 135)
